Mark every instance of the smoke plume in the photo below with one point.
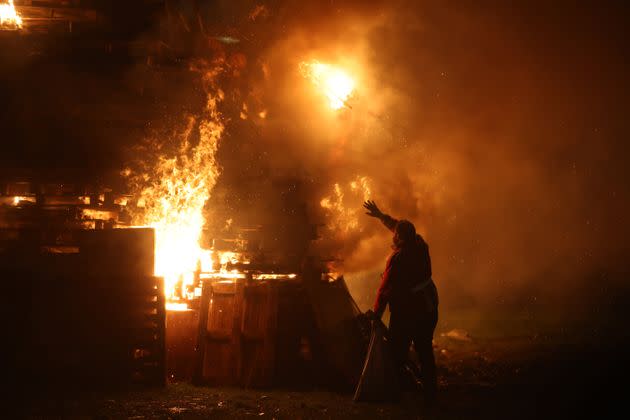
(488, 127)
(465, 123)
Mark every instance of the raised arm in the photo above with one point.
(374, 211)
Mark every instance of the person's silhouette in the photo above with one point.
(409, 290)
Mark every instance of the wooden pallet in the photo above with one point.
(93, 318)
(258, 333)
(237, 331)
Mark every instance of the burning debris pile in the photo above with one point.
(233, 309)
(210, 284)
(229, 324)
(173, 192)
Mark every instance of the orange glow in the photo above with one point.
(273, 276)
(234, 274)
(334, 83)
(178, 307)
(9, 17)
(17, 199)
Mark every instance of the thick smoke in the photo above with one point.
(498, 131)
(467, 122)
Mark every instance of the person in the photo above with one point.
(408, 288)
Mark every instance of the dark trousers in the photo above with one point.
(410, 325)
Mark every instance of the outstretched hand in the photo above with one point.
(372, 209)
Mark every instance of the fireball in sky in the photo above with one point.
(333, 82)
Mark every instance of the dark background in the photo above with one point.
(507, 143)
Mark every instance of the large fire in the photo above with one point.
(9, 17)
(335, 83)
(173, 194)
(174, 200)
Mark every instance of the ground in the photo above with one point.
(530, 374)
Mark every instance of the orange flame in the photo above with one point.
(174, 202)
(9, 17)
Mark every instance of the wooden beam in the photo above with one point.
(47, 13)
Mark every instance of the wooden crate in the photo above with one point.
(87, 319)
(237, 331)
(181, 338)
(219, 336)
(258, 334)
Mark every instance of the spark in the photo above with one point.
(227, 39)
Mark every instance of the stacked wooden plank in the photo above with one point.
(95, 318)
(57, 15)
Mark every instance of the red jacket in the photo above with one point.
(406, 284)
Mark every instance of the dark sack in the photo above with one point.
(379, 380)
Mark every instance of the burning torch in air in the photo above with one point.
(338, 87)
(333, 82)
